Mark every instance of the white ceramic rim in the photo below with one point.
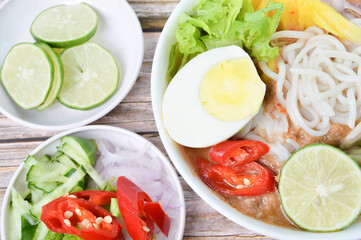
(164, 159)
(103, 112)
(194, 181)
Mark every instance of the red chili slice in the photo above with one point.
(100, 198)
(131, 200)
(251, 179)
(67, 214)
(155, 211)
(236, 153)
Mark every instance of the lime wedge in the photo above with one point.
(58, 76)
(27, 75)
(320, 188)
(91, 76)
(65, 25)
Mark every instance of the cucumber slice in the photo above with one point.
(64, 188)
(47, 172)
(46, 187)
(30, 161)
(58, 76)
(83, 151)
(64, 159)
(114, 208)
(65, 26)
(36, 194)
(15, 223)
(42, 232)
(54, 236)
(28, 223)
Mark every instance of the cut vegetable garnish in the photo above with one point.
(250, 179)
(320, 188)
(139, 212)
(236, 153)
(82, 218)
(65, 25)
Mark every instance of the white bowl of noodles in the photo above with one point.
(345, 117)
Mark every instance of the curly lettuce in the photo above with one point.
(220, 23)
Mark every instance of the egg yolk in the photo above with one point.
(232, 90)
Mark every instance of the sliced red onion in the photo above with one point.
(142, 166)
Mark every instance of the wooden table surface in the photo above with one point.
(135, 114)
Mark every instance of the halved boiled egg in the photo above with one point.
(212, 97)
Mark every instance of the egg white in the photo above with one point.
(185, 119)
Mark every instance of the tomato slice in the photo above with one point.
(100, 198)
(236, 153)
(250, 179)
(155, 211)
(131, 200)
(81, 217)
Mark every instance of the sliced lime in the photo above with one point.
(27, 75)
(65, 25)
(320, 188)
(58, 76)
(91, 76)
(58, 50)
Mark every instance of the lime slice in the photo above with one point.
(65, 25)
(58, 76)
(27, 75)
(320, 188)
(91, 76)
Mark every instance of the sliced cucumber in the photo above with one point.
(28, 223)
(42, 232)
(36, 194)
(82, 151)
(30, 161)
(64, 159)
(15, 223)
(53, 236)
(46, 187)
(114, 208)
(47, 172)
(64, 188)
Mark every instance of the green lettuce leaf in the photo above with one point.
(220, 23)
(258, 29)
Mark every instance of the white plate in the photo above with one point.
(158, 87)
(114, 135)
(119, 31)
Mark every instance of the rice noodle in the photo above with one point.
(319, 80)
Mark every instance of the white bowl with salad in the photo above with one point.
(86, 183)
(75, 60)
(236, 94)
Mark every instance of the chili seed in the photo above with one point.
(68, 214)
(246, 182)
(108, 219)
(67, 222)
(146, 229)
(96, 226)
(66, 195)
(77, 211)
(72, 196)
(99, 220)
(85, 221)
